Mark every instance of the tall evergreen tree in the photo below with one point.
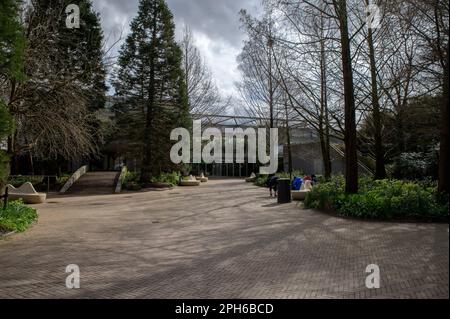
(85, 57)
(11, 68)
(150, 86)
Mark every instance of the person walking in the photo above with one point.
(273, 185)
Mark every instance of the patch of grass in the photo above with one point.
(380, 199)
(17, 217)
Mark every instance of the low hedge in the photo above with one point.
(131, 181)
(17, 217)
(380, 199)
(261, 180)
(171, 179)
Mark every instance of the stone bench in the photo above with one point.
(301, 194)
(192, 181)
(27, 193)
(202, 178)
(251, 179)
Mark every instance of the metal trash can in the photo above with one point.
(284, 191)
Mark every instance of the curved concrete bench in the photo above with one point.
(251, 179)
(301, 194)
(27, 193)
(202, 178)
(192, 181)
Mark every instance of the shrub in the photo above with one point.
(417, 166)
(325, 195)
(62, 180)
(384, 199)
(261, 180)
(131, 181)
(4, 166)
(17, 217)
(172, 179)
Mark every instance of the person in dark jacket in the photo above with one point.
(273, 185)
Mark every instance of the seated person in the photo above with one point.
(297, 184)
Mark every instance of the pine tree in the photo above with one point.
(11, 68)
(150, 86)
(84, 46)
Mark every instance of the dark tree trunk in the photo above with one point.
(30, 157)
(351, 156)
(380, 167)
(11, 138)
(288, 137)
(443, 152)
(325, 148)
(271, 93)
(147, 161)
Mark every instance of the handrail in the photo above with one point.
(75, 176)
(340, 152)
(36, 176)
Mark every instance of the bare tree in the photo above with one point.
(259, 89)
(380, 169)
(203, 94)
(55, 108)
(50, 108)
(299, 67)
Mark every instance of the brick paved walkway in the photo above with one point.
(226, 239)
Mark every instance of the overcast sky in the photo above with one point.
(215, 24)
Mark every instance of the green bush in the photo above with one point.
(261, 180)
(417, 165)
(4, 167)
(131, 181)
(324, 195)
(172, 179)
(62, 180)
(17, 217)
(381, 199)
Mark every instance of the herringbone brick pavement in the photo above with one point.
(225, 239)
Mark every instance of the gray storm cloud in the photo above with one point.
(215, 24)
